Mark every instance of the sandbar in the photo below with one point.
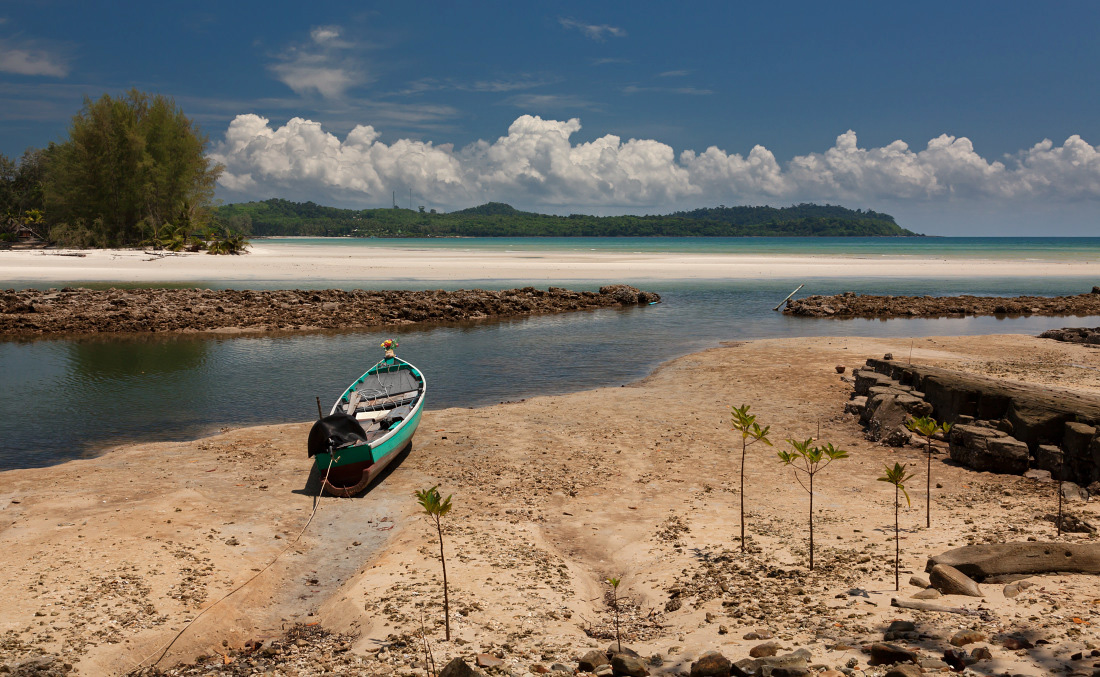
(290, 263)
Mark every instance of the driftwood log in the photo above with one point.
(983, 561)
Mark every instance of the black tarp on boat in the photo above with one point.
(333, 432)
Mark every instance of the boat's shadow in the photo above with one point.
(313, 481)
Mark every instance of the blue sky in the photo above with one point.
(958, 118)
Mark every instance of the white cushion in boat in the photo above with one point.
(370, 415)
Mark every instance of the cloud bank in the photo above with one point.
(535, 164)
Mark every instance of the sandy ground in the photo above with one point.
(105, 559)
(302, 263)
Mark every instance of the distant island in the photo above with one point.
(276, 217)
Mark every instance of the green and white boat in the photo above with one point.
(370, 424)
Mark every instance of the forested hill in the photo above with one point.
(495, 219)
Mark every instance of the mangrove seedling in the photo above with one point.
(809, 460)
(751, 433)
(926, 427)
(898, 477)
(614, 583)
(435, 507)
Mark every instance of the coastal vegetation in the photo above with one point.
(897, 476)
(278, 217)
(928, 428)
(132, 172)
(751, 433)
(808, 459)
(435, 507)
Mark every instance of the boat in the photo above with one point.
(371, 422)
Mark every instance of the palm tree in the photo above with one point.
(436, 507)
(810, 460)
(751, 433)
(926, 427)
(898, 477)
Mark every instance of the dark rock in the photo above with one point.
(887, 417)
(458, 668)
(981, 653)
(964, 637)
(764, 650)
(868, 378)
(625, 651)
(950, 581)
(1042, 475)
(484, 660)
(1072, 524)
(900, 630)
(989, 450)
(904, 670)
(758, 634)
(1014, 589)
(1073, 493)
(630, 666)
(1016, 643)
(785, 671)
(888, 654)
(592, 660)
(711, 664)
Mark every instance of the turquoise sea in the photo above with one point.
(991, 248)
(67, 398)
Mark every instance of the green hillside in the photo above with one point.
(494, 219)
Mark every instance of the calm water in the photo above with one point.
(62, 399)
(996, 248)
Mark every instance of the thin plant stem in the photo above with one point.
(446, 600)
(811, 521)
(928, 489)
(744, 448)
(897, 543)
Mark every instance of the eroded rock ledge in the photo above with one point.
(850, 304)
(998, 426)
(33, 312)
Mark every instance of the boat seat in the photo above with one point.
(399, 413)
(371, 415)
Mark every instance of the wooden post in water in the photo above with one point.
(319, 413)
(788, 297)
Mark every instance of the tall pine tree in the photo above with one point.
(132, 167)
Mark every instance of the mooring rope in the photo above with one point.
(164, 651)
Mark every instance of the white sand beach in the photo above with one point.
(303, 263)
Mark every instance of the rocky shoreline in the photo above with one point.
(32, 312)
(850, 304)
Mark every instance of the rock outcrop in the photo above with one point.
(32, 312)
(998, 426)
(850, 304)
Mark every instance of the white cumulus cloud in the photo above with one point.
(324, 66)
(536, 163)
(29, 60)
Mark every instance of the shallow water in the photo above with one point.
(66, 398)
(990, 248)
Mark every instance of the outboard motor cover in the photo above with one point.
(333, 432)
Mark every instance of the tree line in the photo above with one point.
(132, 172)
(277, 217)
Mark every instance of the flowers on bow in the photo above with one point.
(389, 344)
